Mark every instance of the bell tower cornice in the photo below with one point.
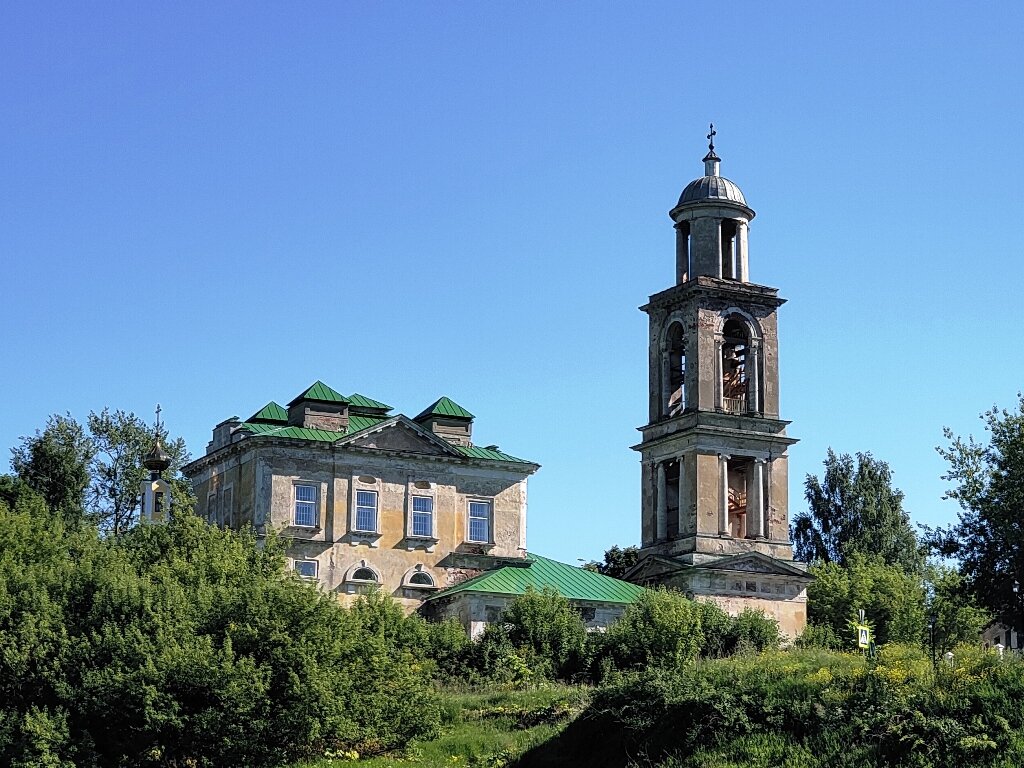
(713, 288)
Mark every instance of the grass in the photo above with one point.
(482, 729)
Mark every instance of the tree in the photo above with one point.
(617, 561)
(988, 539)
(958, 618)
(855, 510)
(893, 599)
(121, 442)
(55, 463)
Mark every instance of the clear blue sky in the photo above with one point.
(212, 205)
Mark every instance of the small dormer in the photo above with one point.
(448, 420)
(319, 407)
(362, 405)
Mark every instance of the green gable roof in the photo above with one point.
(362, 401)
(323, 393)
(270, 412)
(445, 407)
(475, 452)
(355, 424)
(570, 581)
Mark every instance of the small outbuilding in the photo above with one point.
(482, 599)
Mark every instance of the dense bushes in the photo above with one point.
(805, 709)
(185, 645)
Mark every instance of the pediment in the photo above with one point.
(651, 567)
(399, 435)
(755, 562)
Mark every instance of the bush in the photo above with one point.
(662, 628)
(752, 630)
(183, 644)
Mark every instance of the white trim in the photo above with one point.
(304, 561)
(490, 519)
(358, 484)
(293, 518)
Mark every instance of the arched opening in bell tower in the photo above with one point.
(682, 252)
(730, 269)
(736, 361)
(674, 371)
(738, 470)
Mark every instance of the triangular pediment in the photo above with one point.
(756, 562)
(652, 567)
(400, 435)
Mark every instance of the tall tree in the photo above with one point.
(988, 540)
(617, 561)
(855, 509)
(55, 463)
(122, 440)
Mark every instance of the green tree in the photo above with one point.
(855, 509)
(55, 463)
(121, 441)
(617, 561)
(893, 599)
(662, 628)
(182, 644)
(987, 480)
(547, 630)
(958, 617)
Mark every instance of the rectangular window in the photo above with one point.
(480, 521)
(422, 516)
(211, 509)
(227, 506)
(305, 506)
(306, 568)
(366, 511)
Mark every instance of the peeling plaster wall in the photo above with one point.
(264, 475)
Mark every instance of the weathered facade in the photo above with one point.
(366, 498)
(714, 509)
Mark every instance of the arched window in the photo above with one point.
(364, 574)
(421, 578)
(674, 371)
(736, 361)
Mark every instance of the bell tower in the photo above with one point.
(713, 453)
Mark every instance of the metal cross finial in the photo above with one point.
(711, 137)
(158, 409)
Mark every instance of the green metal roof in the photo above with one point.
(445, 407)
(362, 401)
(493, 454)
(323, 393)
(355, 424)
(570, 581)
(270, 412)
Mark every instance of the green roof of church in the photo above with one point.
(320, 391)
(570, 581)
(445, 407)
(270, 412)
(272, 421)
(362, 401)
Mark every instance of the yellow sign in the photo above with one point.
(863, 636)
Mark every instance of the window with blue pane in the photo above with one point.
(422, 516)
(366, 511)
(480, 521)
(305, 505)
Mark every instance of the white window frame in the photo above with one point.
(470, 518)
(429, 533)
(315, 502)
(376, 511)
(316, 568)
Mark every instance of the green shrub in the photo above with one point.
(662, 628)
(752, 630)
(181, 644)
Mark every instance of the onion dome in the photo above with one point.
(157, 460)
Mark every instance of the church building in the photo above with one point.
(714, 508)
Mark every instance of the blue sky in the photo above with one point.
(212, 205)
